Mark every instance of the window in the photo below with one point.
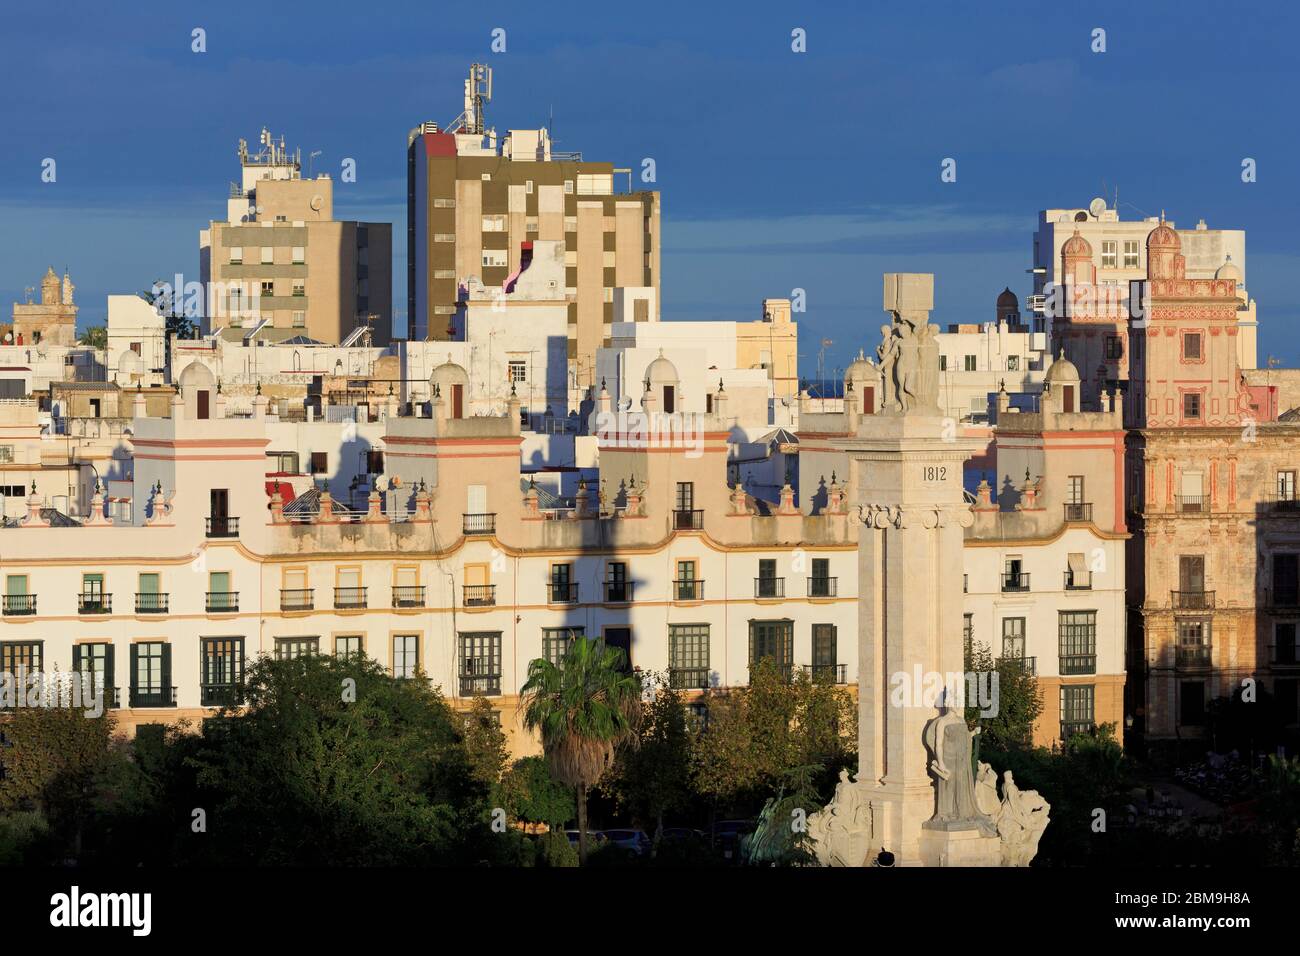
(480, 663)
(319, 462)
(267, 287)
(1114, 348)
(494, 223)
(689, 588)
(406, 655)
(1078, 642)
(517, 371)
(943, 363)
(1013, 363)
(1109, 253)
(1286, 579)
(688, 655)
(1192, 406)
(1131, 247)
(494, 257)
(1192, 346)
(299, 287)
(236, 255)
(300, 320)
(774, 639)
(6, 453)
(820, 583)
(1286, 486)
(563, 590)
(1074, 491)
(151, 674)
(299, 255)
(825, 659)
(967, 632)
(768, 585)
(284, 462)
(94, 662)
(556, 641)
(1078, 713)
(970, 363)
(347, 645)
(223, 671)
(290, 648)
(268, 255)
(616, 585)
(1013, 638)
(20, 657)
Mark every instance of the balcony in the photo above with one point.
(688, 678)
(475, 685)
(1071, 727)
(1192, 504)
(688, 520)
(688, 589)
(1192, 655)
(19, 605)
(1286, 502)
(349, 599)
(1078, 582)
(222, 602)
(1075, 664)
(1192, 600)
(94, 604)
(150, 602)
(218, 695)
(1284, 655)
(827, 673)
(481, 524)
(408, 595)
(823, 587)
(480, 595)
(1078, 511)
(1027, 664)
(619, 592)
(769, 588)
(153, 696)
(223, 527)
(562, 592)
(1015, 581)
(785, 670)
(296, 599)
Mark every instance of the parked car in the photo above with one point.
(634, 840)
(682, 834)
(595, 838)
(727, 835)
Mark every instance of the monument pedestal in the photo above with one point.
(966, 847)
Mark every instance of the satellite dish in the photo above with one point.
(1097, 207)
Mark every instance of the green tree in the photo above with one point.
(336, 763)
(652, 777)
(485, 742)
(1018, 697)
(529, 793)
(583, 708)
(95, 336)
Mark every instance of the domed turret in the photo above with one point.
(1062, 371)
(1077, 247)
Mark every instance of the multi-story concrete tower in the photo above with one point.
(472, 203)
(282, 258)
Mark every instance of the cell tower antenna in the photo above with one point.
(478, 91)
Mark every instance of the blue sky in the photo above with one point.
(778, 170)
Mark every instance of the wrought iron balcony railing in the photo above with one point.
(1078, 582)
(1073, 664)
(408, 595)
(827, 673)
(19, 605)
(223, 602)
(563, 593)
(769, 587)
(480, 595)
(1078, 511)
(151, 602)
(823, 587)
(688, 678)
(349, 599)
(153, 696)
(95, 603)
(1192, 655)
(1015, 581)
(688, 520)
(619, 592)
(688, 589)
(296, 599)
(1192, 600)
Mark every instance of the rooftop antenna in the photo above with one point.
(310, 161)
(478, 91)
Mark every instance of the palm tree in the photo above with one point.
(583, 708)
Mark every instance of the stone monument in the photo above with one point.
(915, 794)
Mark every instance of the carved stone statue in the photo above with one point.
(842, 832)
(1021, 821)
(986, 791)
(956, 808)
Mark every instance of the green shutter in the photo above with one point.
(166, 673)
(76, 658)
(108, 676)
(135, 669)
